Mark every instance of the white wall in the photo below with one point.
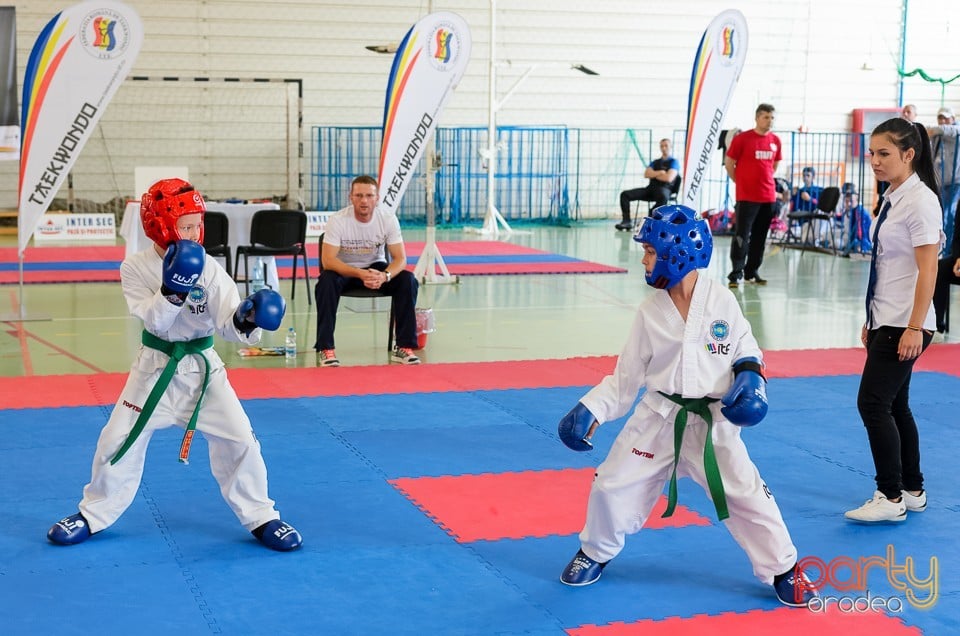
(805, 57)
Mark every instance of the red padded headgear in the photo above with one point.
(165, 202)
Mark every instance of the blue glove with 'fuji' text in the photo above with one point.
(182, 267)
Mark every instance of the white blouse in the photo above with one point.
(915, 218)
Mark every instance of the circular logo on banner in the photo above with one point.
(728, 44)
(105, 34)
(444, 46)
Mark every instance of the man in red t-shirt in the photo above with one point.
(751, 161)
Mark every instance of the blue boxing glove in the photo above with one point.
(182, 266)
(745, 404)
(576, 428)
(264, 309)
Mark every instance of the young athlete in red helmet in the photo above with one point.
(178, 379)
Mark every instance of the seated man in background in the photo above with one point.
(661, 172)
(804, 199)
(354, 254)
(856, 224)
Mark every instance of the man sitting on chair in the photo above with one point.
(805, 199)
(661, 172)
(355, 244)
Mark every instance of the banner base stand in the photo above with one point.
(22, 315)
(428, 262)
(492, 223)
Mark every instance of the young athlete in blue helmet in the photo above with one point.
(692, 349)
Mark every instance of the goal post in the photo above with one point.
(240, 138)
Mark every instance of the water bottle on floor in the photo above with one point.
(290, 345)
(257, 281)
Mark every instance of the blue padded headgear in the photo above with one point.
(683, 243)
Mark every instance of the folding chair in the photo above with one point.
(216, 237)
(826, 209)
(671, 200)
(277, 233)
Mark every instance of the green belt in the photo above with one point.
(701, 407)
(176, 351)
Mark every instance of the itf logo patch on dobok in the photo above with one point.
(719, 332)
(197, 299)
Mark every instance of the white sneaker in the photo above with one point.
(878, 510)
(403, 355)
(914, 503)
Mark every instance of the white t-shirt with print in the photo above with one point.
(362, 244)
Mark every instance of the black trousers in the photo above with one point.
(941, 292)
(884, 405)
(751, 224)
(652, 192)
(402, 290)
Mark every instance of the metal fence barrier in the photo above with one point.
(557, 174)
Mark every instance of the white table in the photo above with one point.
(239, 215)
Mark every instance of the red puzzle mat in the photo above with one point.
(518, 505)
(102, 388)
(781, 622)
(463, 258)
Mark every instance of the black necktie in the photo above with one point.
(872, 284)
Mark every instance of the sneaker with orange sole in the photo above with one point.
(327, 358)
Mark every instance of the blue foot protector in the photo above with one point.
(794, 589)
(69, 530)
(582, 570)
(278, 535)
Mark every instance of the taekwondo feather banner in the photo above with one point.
(427, 67)
(716, 69)
(76, 65)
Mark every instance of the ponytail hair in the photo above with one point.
(906, 135)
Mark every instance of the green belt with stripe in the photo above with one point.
(701, 407)
(177, 351)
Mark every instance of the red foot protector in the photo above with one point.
(785, 621)
(517, 505)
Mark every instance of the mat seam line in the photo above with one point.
(193, 587)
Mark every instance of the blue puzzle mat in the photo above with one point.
(376, 562)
